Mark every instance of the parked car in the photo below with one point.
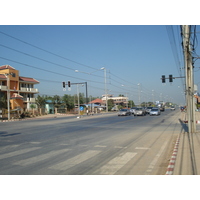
(148, 110)
(140, 111)
(132, 110)
(124, 112)
(154, 111)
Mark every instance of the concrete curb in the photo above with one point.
(170, 168)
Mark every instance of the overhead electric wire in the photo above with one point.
(41, 59)
(49, 71)
(45, 50)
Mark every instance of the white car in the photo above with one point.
(124, 112)
(154, 111)
(173, 108)
(132, 110)
(140, 111)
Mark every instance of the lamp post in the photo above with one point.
(103, 68)
(127, 99)
(139, 93)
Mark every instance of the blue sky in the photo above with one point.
(132, 55)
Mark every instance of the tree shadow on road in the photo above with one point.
(5, 134)
(184, 126)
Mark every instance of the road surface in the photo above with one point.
(91, 145)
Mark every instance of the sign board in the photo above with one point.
(81, 108)
(64, 89)
(69, 89)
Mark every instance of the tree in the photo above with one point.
(68, 101)
(33, 106)
(110, 104)
(131, 104)
(3, 101)
(81, 98)
(121, 95)
(57, 101)
(41, 101)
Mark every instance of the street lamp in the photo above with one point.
(127, 99)
(139, 92)
(103, 68)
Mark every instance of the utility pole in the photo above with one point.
(8, 93)
(106, 93)
(189, 79)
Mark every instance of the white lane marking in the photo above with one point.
(153, 163)
(39, 158)
(119, 147)
(15, 153)
(115, 164)
(35, 142)
(101, 146)
(9, 147)
(75, 160)
(142, 148)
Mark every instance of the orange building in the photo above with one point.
(20, 89)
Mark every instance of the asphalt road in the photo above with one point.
(91, 145)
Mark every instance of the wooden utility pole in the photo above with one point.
(189, 79)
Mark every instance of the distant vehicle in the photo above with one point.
(132, 110)
(161, 106)
(140, 111)
(155, 111)
(148, 110)
(124, 112)
(173, 108)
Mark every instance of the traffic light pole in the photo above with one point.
(69, 85)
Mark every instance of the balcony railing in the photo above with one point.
(29, 100)
(2, 87)
(23, 89)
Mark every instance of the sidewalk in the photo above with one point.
(188, 151)
(56, 116)
(40, 117)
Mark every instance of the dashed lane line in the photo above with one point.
(19, 152)
(39, 158)
(75, 160)
(115, 164)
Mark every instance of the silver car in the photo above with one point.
(154, 111)
(124, 112)
(140, 111)
(132, 110)
(148, 110)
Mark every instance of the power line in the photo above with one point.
(45, 50)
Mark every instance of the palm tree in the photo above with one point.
(33, 107)
(41, 101)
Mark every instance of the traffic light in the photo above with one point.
(170, 78)
(69, 84)
(163, 78)
(63, 84)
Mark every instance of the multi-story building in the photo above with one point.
(116, 100)
(20, 90)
